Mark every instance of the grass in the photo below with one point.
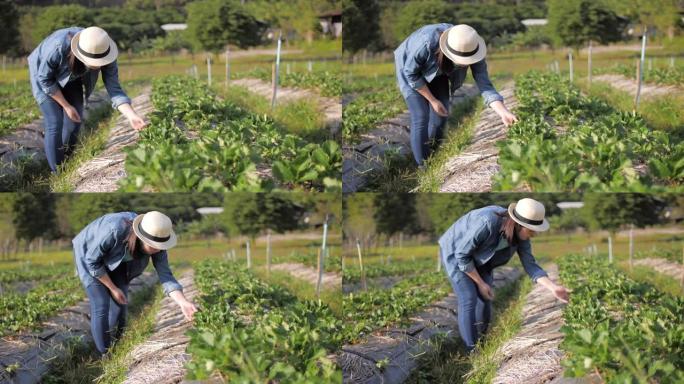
(461, 122)
(82, 364)
(663, 283)
(449, 363)
(301, 117)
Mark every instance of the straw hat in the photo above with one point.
(154, 229)
(530, 214)
(94, 47)
(462, 45)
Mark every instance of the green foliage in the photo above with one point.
(61, 16)
(198, 142)
(377, 100)
(575, 23)
(353, 275)
(9, 19)
(33, 216)
(395, 212)
(613, 211)
(361, 29)
(254, 332)
(416, 14)
(17, 107)
(326, 82)
(658, 75)
(251, 213)
(626, 331)
(212, 24)
(19, 311)
(567, 141)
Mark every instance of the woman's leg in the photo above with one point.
(118, 312)
(483, 309)
(440, 89)
(53, 116)
(419, 109)
(99, 298)
(467, 294)
(73, 93)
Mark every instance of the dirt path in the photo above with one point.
(398, 349)
(102, 173)
(666, 267)
(472, 170)
(630, 86)
(390, 136)
(162, 357)
(532, 356)
(331, 280)
(26, 143)
(330, 107)
(31, 352)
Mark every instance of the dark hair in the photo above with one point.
(76, 66)
(443, 62)
(509, 228)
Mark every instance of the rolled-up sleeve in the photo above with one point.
(413, 67)
(161, 265)
(94, 257)
(463, 251)
(46, 76)
(534, 271)
(484, 84)
(110, 76)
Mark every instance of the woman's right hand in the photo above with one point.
(439, 108)
(119, 296)
(486, 291)
(72, 113)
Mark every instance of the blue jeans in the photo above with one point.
(426, 125)
(61, 133)
(474, 312)
(107, 317)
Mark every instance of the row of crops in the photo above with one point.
(673, 75)
(624, 330)
(354, 274)
(250, 331)
(196, 141)
(17, 107)
(374, 100)
(327, 83)
(568, 141)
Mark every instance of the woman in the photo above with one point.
(482, 240)
(109, 253)
(426, 62)
(62, 65)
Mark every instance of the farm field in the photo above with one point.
(534, 338)
(372, 104)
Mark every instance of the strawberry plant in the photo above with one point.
(195, 141)
(567, 141)
(658, 75)
(353, 275)
(17, 107)
(328, 83)
(623, 330)
(250, 331)
(379, 99)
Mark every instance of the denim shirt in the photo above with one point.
(49, 70)
(473, 240)
(100, 246)
(416, 65)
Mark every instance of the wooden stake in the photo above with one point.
(610, 249)
(589, 64)
(319, 280)
(631, 246)
(439, 261)
(268, 251)
(249, 256)
(570, 60)
(227, 66)
(363, 274)
(209, 70)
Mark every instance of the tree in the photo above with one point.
(212, 24)
(394, 213)
(358, 210)
(361, 28)
(33, 216)
(61, 16)
(9, 19)
(252, 213)
(612, 211)
(575, 23)
(416, 14)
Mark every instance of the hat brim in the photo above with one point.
(100, 62)
(463, 60)
(544, 226)
(168, 244)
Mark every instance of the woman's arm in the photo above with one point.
(116, 292)
(187, 307)
(485, 289)
(134, 119)
(491, 97)
(69, 109)
(437, 105)
(559, 291)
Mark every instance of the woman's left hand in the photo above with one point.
(137, 122)
(508, 118)
(188, 309)
(561, 293)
